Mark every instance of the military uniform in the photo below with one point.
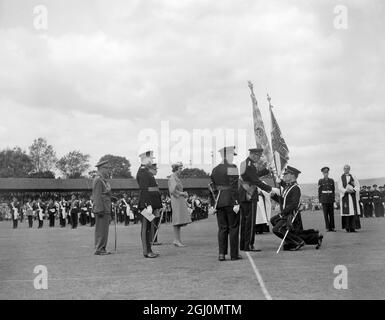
(15, 208)
(282, 222)
(326, 196)
(52, 210)
(149, 195)
(377, 202)
(365, 198)
(249, 201)
(101, 195)
(224, 179)
(74, 212)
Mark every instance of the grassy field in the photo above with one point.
(192, 272)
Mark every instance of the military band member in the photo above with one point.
(224, 179)
(365, 199)
(83, 212)
(370, 211)
(290, 200)
(349, 188)
(326, 196)
(39, 209)
(91, 214)
(101, 196)
(52, 210)
(377, 202)
(62, 212)
(29, 212)
(125, 210)
(382, 192)
(15, 211)
(74, 211)
(149, 195)
(248, 196)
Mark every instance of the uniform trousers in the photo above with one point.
(248, 216)
(101, 231)
(280, 228)
(15, 221)
(228, 227)
(30, 221)
(145, 235)
(328, 209)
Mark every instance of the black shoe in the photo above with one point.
(320, 238)
(239, 257)
(102, 253)
(221, 257)
(151, 255)
(253, 249)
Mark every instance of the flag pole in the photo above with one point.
(275, 162)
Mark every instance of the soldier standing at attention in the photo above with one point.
(149, 196)
(369, 211)
(225, 184)
(101, 195)
(326, 196)
(377, 202)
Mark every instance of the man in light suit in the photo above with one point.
(101, 195)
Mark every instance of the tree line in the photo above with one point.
(41, 161)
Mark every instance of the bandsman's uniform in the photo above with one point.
(377, 202)
(52, 210)
(15, 208)
(29, 213)
(74, 213)
(366, 200)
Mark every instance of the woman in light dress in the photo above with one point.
(180, 214)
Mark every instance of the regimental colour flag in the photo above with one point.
(279, 146)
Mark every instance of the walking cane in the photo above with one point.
(157, 228)
(287, 231)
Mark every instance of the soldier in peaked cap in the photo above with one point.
(248, 196)
(377, 202)
(326, 196)
(224, 179)
(101, 195)
(149, 195)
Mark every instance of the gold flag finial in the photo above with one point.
(269, 99)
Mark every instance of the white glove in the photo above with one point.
(211, 211)
(275, 191)
(236, 208)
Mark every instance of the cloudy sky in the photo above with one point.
(104, 75)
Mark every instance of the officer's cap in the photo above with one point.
(325, 168)
(147, 157)
(103, 163)
(256, 150)
(292, 170)
(228, 150)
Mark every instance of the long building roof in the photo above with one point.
(29, 184)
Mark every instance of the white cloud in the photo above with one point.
(103, 72)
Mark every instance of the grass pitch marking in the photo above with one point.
(259, 278)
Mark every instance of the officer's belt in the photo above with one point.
(221, 188)
(328, 191)
(153, 189)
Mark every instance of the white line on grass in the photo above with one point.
(259, 278)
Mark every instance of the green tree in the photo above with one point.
(193, 173)
(73, 164)
(15, 163)
(42, 155)
(120, 166)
